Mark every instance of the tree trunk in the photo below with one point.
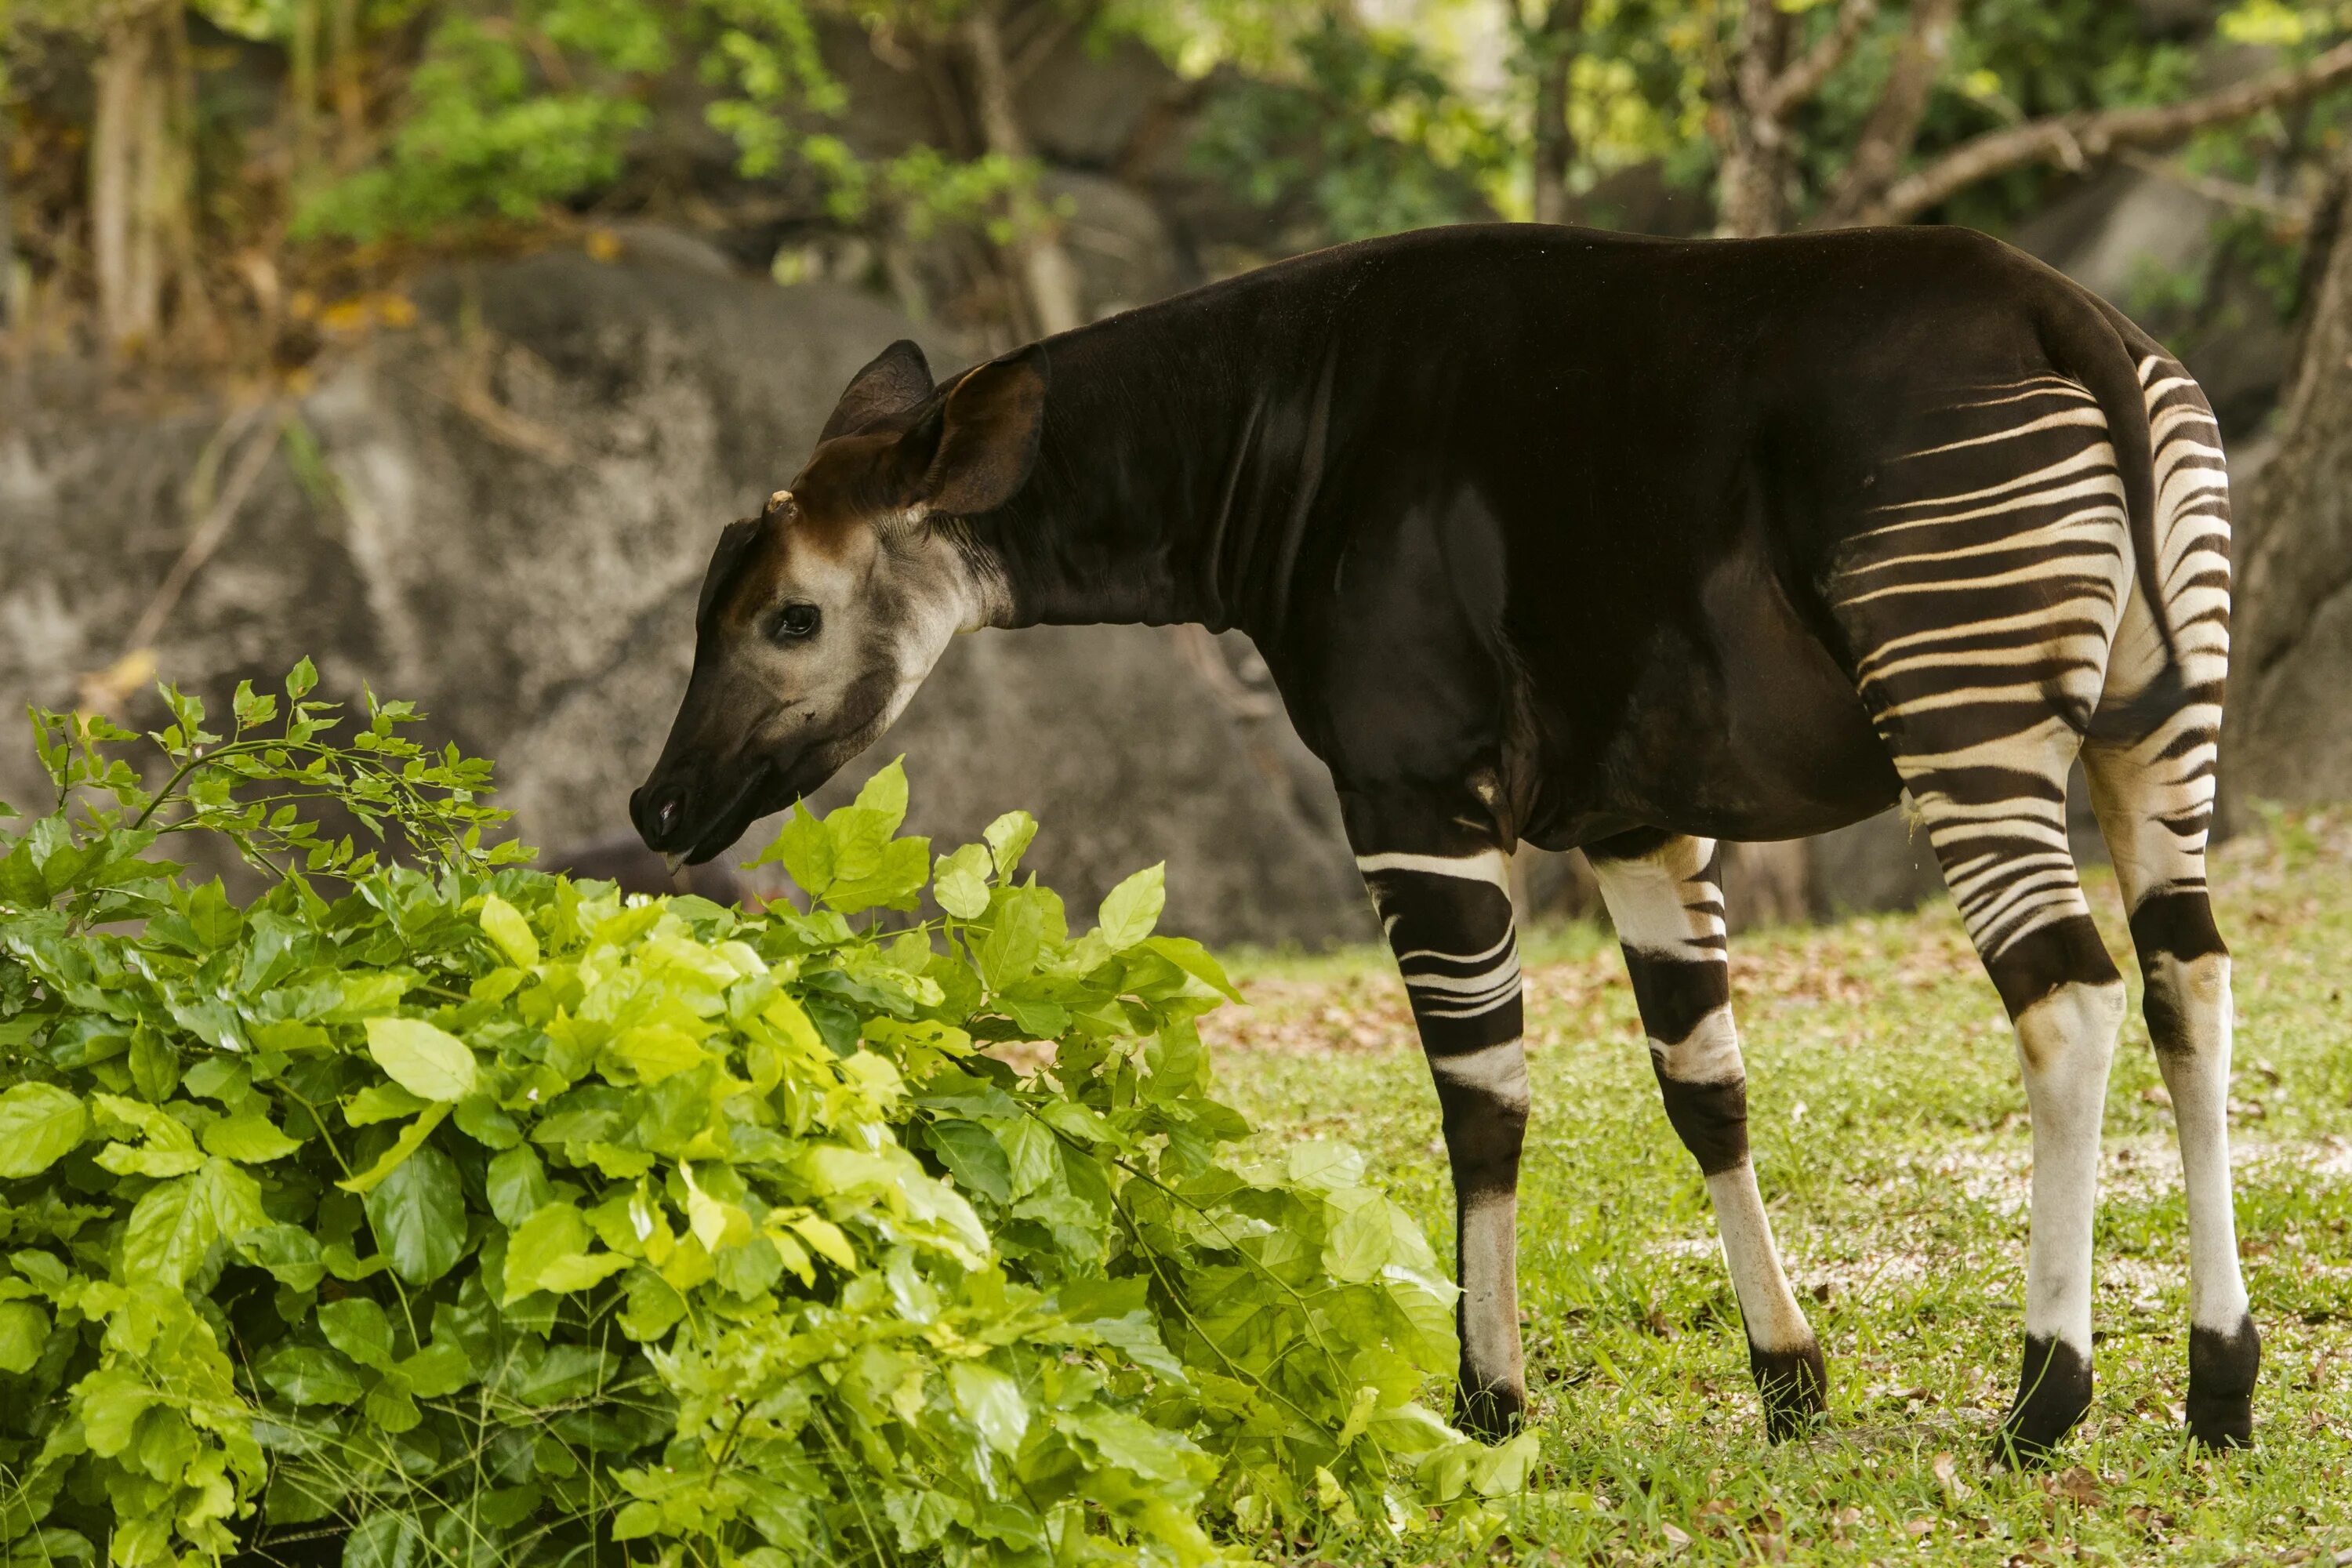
(141, 227)
(1554, 46)
(2288, 735)
(1049, 277)
(1751, 191)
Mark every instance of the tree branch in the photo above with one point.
(1893, 129)
(1804, 77)
(2077, 140)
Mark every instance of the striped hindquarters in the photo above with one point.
(1982, 594)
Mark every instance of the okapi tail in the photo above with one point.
(2090, 341)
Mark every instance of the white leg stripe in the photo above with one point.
(1499, 1071)
(2197, 1075)
(1490, 1288)
(1504, 973)
(1775, 1322)
(1487, 865)
(1709, 1054)
(1501, 942)
(2065, 1041)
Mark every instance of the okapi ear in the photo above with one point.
(898, 379)
(989, 431)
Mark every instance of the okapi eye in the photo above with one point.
(793, 622)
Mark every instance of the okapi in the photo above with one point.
(1614, 543)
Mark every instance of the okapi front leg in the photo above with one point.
(1665, 898)
(1448, 920)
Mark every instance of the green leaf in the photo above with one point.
(418, 1212)
(897, 869)
(302, 679)
(289, 1253)
(175, 1224)
(804, 850)
(1014, 940)
(23, 1330)
(154, 1065)
(652, 1052)
(992, 1401)
(1357, 1246)
(248, 1136)
(551, 1252)
(438, 1370)
(1008, 838)
(411, 1139)
(39, 1125)
(654, 1307)
(357, 1326)
(1195, 961)
(960, 882)
(504, 925)
(975, 1157)
(382, 1103)
(223, 1078)
(884, 794)
(481, 1119)
(717, 1224)
(422, 1059)
(309, 1374)
(517, 1186)
(390, 1538)
(1131, 909)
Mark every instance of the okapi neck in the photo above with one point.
(1183, 450)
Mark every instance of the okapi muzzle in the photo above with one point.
(819, 618)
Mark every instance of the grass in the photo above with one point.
(1890, 1138)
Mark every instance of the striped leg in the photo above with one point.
(1997, 824)
(1981, 607)
(1448, 918)
(1666, 901)
(2153, 786)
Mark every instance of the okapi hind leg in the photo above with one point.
(2154, 806)
(1980, 595)
(1448, 918)
(1665, 898)
(2150, 764)
(1996, 813)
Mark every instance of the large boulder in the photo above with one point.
(506, 520)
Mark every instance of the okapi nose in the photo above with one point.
(656, 816)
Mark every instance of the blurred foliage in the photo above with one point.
(1367, 130)
(383, 124)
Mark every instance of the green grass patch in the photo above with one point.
(1891, 1140)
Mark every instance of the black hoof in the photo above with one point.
(1795, 1386)
(2053, 1394)
(1489, 1412)
(2221, 1371)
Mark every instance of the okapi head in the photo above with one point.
(820, 617)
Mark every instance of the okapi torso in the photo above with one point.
(1624, 544)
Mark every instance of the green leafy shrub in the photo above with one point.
(470, 1213)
